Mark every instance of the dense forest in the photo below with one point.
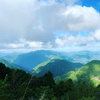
(16, 84)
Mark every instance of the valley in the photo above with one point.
(57, 73)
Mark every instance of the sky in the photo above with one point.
(62, 25)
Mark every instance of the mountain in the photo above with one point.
(9, 56)
(83, 56)
(57, 67)
(89, 72)
(10, 65)
(32, 59)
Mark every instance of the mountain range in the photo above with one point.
(34, 58)
(63, 65)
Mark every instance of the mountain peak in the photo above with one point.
(93, 62)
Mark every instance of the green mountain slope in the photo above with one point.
(58, 67)
(89, 72)
(10, 65)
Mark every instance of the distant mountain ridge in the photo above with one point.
(9, 56)
(83, 56)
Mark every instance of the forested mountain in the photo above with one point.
(89, 72)
(58, 67)
(16, 84)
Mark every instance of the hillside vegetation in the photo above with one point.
(9, 64)
(16, 84)
(89, 72)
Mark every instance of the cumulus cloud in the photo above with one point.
(78, 40)
(24, 44)
(37, 21)
(69, 40)
(80, 18)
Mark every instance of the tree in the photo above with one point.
(88, 98)
(5, 94)
(48, 79)
(3, 71)
(44, 93)
(98, 92)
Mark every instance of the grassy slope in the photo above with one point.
(89, 72)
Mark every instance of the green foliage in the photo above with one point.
(3, 71)
(89, 98)
(16, 84)
(89, 73)
(48, 79)
(63, 88)
(98, 92)
(44, 93)
(4, 91)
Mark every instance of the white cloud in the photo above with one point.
(37, 22)
(80, 18)
(78, 40)
(24, 44)
(35, 44)
(14, 46)
(96, 35)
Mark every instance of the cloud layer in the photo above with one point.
(35, 23)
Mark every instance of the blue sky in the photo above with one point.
(64, 25)
(94, 3)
